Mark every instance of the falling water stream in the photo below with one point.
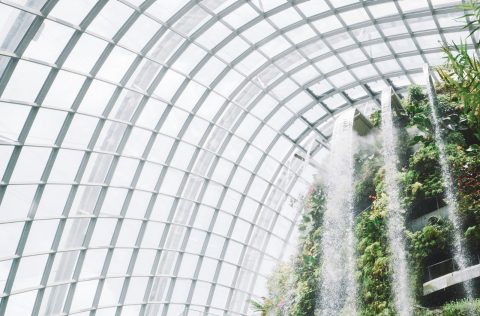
(337, 280)
(395, 221)
(459, 252)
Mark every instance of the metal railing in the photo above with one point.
(444, 267)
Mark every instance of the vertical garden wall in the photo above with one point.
(294, 287)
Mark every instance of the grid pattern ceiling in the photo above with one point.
(147, 148)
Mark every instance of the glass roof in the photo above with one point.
(149, 149)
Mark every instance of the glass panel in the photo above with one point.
(26, 81)
(15, 24)
(41, 236)
(30, 164)
(46, 127)
(149, 176)
(285, 18)
(110, 19)
(72, 11)
(116, 65)
(12, 118)
(84, 294)
(49, 41)
(10, 234)
(85, 53)
(151, 114)
(140, 33)
(29, 272)
(119, 263)
(21, 304)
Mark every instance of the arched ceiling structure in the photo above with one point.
(149, 149)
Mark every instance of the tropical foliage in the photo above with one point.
(278, 290)
(432, 240)
(461, 73)
(458, 308)
(293, 287)
(374, 273)
(307, 268)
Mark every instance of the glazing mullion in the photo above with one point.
(412, 36)
(301, 53)
(138, 171)
(201, 193)
(100, 124)
(334, 31)
(245, 189)
(265, 91)
(252, 227)
(267, 239)
(144, 308)
(439, 30)
(112, 165)
(212, 221)
(21, 139)
(50, 161)
(266, 194)
(244, 110)
(74, 39)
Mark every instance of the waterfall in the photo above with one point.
(459, 252)
(395, 220)
(337, 280)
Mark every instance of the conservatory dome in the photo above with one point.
(154, 153)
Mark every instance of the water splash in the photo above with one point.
(459, 252)
(395, 221)
(338, 287)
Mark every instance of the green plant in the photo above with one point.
(292, 287)
(415, 102)
(461, 308)
(434, 238)
(422, 192)
(278, 288)
(422, 178)
(367, 164)
(376, 118)
(374, 273)
(262, 307)
(461, 72)
(466, 172)
(307, 269)
(461, 76)
(473, 14)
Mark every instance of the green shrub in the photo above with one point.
(461, 308)
(376, 118)
(306, 267)
(461, 73)
(374, 275)
(432, 239)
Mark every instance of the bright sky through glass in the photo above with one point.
(148, 148)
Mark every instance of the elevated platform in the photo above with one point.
(451, 279)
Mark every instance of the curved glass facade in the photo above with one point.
(153, 153)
